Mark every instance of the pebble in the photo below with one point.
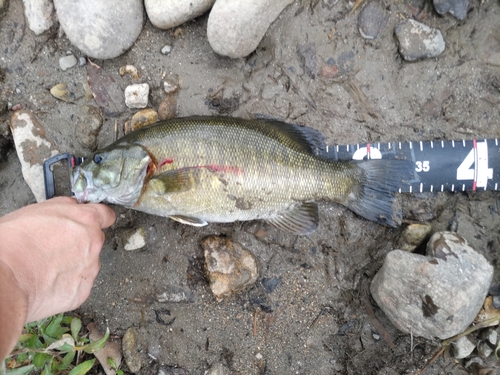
(463, 347)
(166, 14)
(39, 15)
(418, 41)
(230, 267)
(437, 295)
(141, 119)
(130, 70)
(168, 370)
(88, 127)
(457, 8)
(167, 108)
(82, 61)
(235, 28)
(166, 50)
(413, 236)
(130, 348)
(134, 239)
(170, 86)
(61, 92)
(101, 29)
(484, 350)
(33, 148)
(136, 96)
(176, 294)
(371, 20)
(67, 62)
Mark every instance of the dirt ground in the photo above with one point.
(309, 313)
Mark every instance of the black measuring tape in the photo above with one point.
(467, 165)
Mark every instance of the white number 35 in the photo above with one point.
(422, 166)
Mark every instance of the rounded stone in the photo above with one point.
(371, 19)
(457, 8)
(130, 348)
(168, 108)
(166, 14)
(101, 29)
(418, 41)
(67, 62)
(437, 295)
(143, 118)
(235, 28)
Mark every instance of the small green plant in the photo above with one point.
(112, 364)
(53, 346)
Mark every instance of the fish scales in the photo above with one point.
(262, 176)
(220, 169)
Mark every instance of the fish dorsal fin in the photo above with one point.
(179, 180)
(301, 219)
(194, 221)
(300, 138)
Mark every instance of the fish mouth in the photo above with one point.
(81, 185)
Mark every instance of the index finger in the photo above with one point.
(105, 214)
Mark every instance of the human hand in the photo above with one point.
(53, 251)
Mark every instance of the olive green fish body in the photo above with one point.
(219, 169)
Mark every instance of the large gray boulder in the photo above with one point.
(101, 29)
(437, 295)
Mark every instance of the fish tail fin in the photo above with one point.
(374, 198)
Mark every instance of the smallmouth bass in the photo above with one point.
(198, 170)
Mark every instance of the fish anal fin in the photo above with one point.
(301, 219)
(194, 221)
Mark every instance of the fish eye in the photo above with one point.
(97, 158)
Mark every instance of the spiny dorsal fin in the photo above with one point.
(301, 219)
(301, 138)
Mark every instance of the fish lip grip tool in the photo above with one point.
(48, 174)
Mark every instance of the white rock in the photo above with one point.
(67, 62)
(39, 15)
(166, 50)
(235, 28)
(166, 14)
(136, 240)
(463, 347)
(136, 96)
(33, 148)
(101, 29)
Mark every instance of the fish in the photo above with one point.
(214, 169)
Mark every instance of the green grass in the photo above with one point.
(54, 345)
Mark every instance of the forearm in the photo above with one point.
(13, 310)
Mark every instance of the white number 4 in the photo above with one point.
(422, 166)
(480, 173)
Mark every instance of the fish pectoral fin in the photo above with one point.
(301, 219)
(194, 221)
(180, 180)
